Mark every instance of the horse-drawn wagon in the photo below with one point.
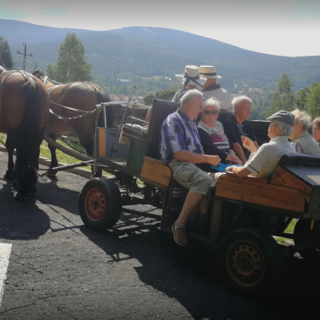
(246, 215)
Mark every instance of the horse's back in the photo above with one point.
(19, 90)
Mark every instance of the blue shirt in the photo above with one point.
(178, 133)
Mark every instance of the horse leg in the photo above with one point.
(87, 142)
(54, 161)
(10, 148)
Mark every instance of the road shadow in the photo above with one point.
(190, 275)
(20, 220)
(50, 192)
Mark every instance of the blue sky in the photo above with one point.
(281, 27)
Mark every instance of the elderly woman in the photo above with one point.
(211, 132)
(316, 130)
(302, 141)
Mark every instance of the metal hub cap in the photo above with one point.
(95, 204)
(245, 263)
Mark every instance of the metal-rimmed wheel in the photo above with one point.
(100, 204)
(95, 204)
(251, 261)
(245, 263)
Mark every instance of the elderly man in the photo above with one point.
(180, 147)
(263, 161)
(213, 90)
(237, 125)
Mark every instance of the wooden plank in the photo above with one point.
(155, 172)
(102, 142)
(284, 178)
(258, 191)
(215, 222)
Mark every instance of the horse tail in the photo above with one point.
(29, 132)
(103, 97)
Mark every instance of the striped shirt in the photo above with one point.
(218, 138)
(178, 133)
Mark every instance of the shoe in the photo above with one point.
(202, 223)
(179, 235)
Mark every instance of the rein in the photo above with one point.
(88, 113)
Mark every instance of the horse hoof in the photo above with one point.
(52, 176)
(19, 197)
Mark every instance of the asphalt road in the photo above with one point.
(58, 269)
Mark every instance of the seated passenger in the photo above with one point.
(180, 147)
(263, 161)
(316, 130)
(302, 141)
(237, 125)
(211, 132)
(190, 80)
(211, 89)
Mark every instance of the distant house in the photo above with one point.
(123, 80)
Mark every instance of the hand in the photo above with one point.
(248, 144)
(233, 158)
(229, 169)
(213, 160)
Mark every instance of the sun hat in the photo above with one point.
(209, 72)
(191, 76)
(283, 116)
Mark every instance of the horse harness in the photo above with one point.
(84, 113)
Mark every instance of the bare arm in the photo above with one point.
(239, 151)
(240, 172)
(187, 156)
(148, 117)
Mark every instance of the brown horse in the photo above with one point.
(24, 110)
(67, 102)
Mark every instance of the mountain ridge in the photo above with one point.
(152, 51)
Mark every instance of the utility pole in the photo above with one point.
(25, 55)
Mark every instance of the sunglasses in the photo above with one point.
(210, 112)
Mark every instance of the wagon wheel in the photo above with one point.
(303, 233)
(100, 204)
(251, 261)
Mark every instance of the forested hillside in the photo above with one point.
(132, 53)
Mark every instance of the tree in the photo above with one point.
(301, 99)
(71, 65)
(5, 53)
(313, 100)
(166, 94)
(148, 99)
(283, 98)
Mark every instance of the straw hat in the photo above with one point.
(191, 76)
(209, 72)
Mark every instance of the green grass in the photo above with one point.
(289, 230)
(62, 157)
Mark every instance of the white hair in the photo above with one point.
(211, 102)
(190, 95)
(238, 100)
(283, 128)
(303, 118)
